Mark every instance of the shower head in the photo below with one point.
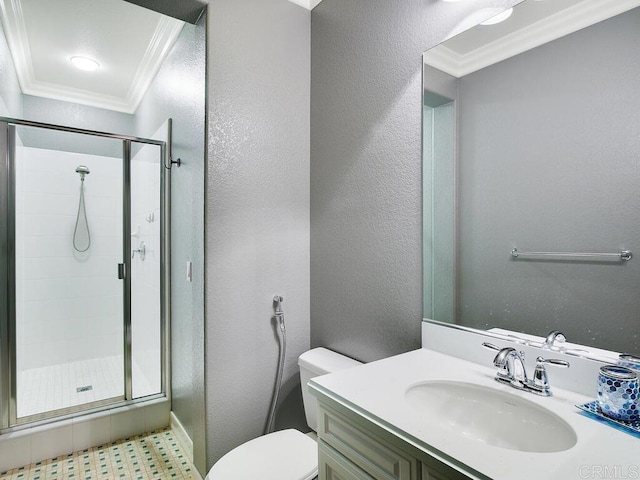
(82, 170)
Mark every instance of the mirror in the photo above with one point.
(532, 142)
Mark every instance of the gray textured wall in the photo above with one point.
(10, 93)
(257, 209)
(178, 92)
(58, 112)
(549, 150)
(366, 190)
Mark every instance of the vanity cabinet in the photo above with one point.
(352, 448)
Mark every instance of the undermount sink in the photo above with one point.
(491, 416)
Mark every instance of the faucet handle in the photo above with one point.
(491, 346)
(540, 378)
(552, 361)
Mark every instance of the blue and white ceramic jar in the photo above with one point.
(630, 361)
(618, 393)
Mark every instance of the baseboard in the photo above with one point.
(185, 442)
(182, 436)
(195, 475)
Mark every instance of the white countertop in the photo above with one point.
(377, 391)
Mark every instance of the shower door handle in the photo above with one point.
(121, 271)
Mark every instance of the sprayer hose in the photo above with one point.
(283, 349)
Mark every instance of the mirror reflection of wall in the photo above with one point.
(547, 159)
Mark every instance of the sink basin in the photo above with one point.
(491, 416)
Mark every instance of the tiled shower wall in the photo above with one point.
(145, 283)
(69, 304)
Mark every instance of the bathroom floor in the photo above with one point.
(150, 456)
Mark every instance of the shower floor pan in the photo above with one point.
(66, 385)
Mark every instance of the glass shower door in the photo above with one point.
(68, 227)
(146, 264)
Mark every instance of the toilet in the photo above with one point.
(286, 454)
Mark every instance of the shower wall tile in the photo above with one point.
(145, 285)
(69, 303)
(49, 204)
(37, 268)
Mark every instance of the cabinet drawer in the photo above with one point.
(372, 454)
(333, 466)
(443, 472)
(428, 474)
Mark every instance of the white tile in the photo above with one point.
(92, 431)
(127, 423)
(15, 450)
(38, 225)
(37, 247)
(51, 441)
(50, 203)
(55, 386)
(156, 416)
(42, 354)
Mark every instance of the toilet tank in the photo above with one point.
(314, 363)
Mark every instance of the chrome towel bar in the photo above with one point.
(619, 257)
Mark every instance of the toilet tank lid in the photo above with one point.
(321, 361)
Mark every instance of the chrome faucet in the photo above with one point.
(511, 370)
(511, 365)
(555, 336)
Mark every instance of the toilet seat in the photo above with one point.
(284, 455)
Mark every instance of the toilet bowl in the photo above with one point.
(286, 454)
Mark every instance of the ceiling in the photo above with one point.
(533, 23)
(128, 41)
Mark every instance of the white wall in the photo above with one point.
(69, 304)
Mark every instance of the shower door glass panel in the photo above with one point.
(146, 328)
(69, 300)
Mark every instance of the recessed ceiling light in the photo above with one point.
(501, 17)
(84, 63)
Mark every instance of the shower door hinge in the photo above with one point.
(121, 271)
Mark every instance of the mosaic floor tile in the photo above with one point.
(151, 456)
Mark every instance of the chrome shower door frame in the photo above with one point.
(8, 348)
(6, 257)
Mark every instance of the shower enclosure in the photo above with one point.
(83, 270)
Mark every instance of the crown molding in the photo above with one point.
(159, 47)
(16, 34)
(164, 37)
(565, 22)
(308, 4)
